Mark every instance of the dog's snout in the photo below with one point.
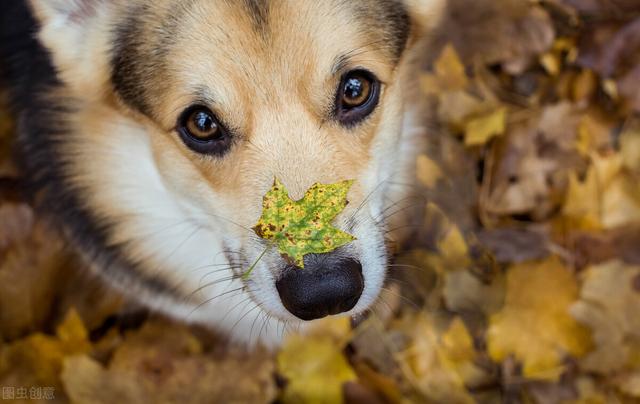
(324, 287)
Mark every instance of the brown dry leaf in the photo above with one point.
(314, 366)
(535, 325)
(510, 32)
(28, 280)
(603, 8)
(40, 281)
(612, 50)
(533, 161)
(438, 363)
(164, 363)
(511, 245)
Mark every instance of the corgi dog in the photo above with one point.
(150, 130)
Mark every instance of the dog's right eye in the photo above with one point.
(202, 132)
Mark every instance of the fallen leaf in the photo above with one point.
(304, 226)
(37, 359)
(512, 32)
(448, 73)
(315, 368)
(165, 363)
(609, 304)
(511, 245)
(438, 363)
(480, 130)
(428, 171)
(630, 149)
(464, 292)
(535, 325)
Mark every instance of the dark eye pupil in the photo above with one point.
(203, 121)
(353, 88)
(202, 125)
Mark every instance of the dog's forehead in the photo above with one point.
(273, 19)
(197, 43)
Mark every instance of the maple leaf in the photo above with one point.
(304, 226)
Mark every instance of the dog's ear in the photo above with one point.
(426, 14)
(74, 32)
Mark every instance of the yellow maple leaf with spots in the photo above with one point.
(302, 227)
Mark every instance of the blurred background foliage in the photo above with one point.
(521, 283)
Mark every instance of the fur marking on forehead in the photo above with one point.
(146, 33)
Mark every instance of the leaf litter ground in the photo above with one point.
(521, 285)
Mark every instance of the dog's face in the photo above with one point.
(188, 110)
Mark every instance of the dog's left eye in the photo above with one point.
(357, 96)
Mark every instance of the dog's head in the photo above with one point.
(186, 110)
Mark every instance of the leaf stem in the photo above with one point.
(247, 274)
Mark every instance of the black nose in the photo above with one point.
(325, 286)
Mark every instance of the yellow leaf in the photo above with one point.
(428, 171)
(582, 202)
(304, 226)
(459, 353)
(37, 359)
(449, 73)
(458, 343)
(535, 325)
(453, 248)
(430, 362)
(584, 85)
(315, 367)
(449, 67)
(611, 89)
(606, 198)
(594, 133)
(73, 334)
(551, 63)
(480, 130)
